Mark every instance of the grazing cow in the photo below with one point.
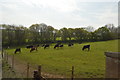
(46, 45)
(61, 45)
(70, 44)
(33, 48)
(29, 46)
(86, 46)
(36, 46)
(57, 45)
(17, 50)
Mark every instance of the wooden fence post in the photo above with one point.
(72, 76)
(13, 61)
(7, 57)
(35, 75)
(39, 71)
(27, 70)
(2, 54)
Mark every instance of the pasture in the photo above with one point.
(87, 64)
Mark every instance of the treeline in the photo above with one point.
(13, 35)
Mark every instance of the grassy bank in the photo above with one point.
(87, 64)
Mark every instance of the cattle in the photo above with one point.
(29, 46)
(17, 50)
(61, 45)
(57, 45)
(33, 48)
(46, 45)
(86, 47)
(70, 44)
(36, 46)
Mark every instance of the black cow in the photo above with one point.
(29, 46)
(57, 45)
(61, 45)
(33, 48)
(70, 44)
(17, 50)
(46, 45)
(86, 46)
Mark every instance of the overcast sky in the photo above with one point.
(59, 13)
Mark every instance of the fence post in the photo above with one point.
(2, 53)
(72, 73)
(7, 57)
(13, 61)
(27, 70)
(39, 71)
(35, 75)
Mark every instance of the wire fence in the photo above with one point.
(27, 70)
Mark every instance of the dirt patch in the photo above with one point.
(8, 72)
(21, 69)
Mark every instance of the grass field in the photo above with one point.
(87, 64)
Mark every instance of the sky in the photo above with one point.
(59, 13)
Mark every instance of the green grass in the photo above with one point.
(8, 72)
(87, 64)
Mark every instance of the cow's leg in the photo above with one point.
(83, 48)
(31, 50)
(88, 48)
(15, 52)
(44, 47)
